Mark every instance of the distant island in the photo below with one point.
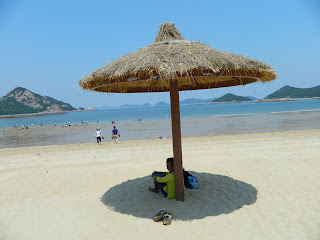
(22, 101)
(286, 93)
(291, 92)
(160, 104)
(195, 101)
(136, 105)
(232, 98)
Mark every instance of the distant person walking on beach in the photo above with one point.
(115, 134)
(99, 135)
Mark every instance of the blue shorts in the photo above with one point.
(161, 185)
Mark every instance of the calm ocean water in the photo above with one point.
(162, 113)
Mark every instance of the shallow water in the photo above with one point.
(163, 113)
(153, 128)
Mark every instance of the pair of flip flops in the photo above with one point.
(164, 216)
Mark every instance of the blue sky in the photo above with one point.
(48, 46)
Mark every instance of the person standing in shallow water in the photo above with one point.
(99, 135)
(115, 134)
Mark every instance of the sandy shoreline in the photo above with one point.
(134, 130)
(25, 115)
(252, 186)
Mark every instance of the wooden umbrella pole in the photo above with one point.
(176, 139)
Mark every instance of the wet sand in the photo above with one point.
(134, 130)
(251, 186)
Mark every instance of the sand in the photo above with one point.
(252, 186)
(150, 129)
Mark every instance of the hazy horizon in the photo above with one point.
(153, 104)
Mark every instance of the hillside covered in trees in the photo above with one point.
(22, 101)
(291, 92)
(231, 98)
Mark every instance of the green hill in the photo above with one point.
(21, 101)
(291, 92)
(231, 98)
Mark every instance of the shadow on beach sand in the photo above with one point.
(216, 195)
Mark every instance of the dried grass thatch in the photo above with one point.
(171, 57)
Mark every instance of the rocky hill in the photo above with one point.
(231, 98)
(21, 101)
(291, 92)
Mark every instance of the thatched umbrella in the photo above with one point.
(174, 64)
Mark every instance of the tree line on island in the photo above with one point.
(23, 101)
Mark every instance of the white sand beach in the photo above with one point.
(251, 186)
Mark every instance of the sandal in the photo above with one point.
(167, 218)
(159, 216)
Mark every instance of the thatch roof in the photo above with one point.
(170, 57)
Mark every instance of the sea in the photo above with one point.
(163, 113)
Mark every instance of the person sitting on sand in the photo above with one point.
(115, 134)
(165, 181)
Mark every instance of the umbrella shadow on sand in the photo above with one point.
(216, 195)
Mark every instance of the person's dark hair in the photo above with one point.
(170, 160)
(114, 126)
